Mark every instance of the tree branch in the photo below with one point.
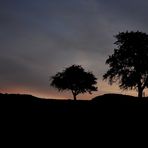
(145, 83)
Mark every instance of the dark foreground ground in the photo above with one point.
(103, 111)
(105, 105)
(109, 116)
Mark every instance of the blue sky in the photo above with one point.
(41, 37)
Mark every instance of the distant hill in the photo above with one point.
(111, 102)
(118, 99)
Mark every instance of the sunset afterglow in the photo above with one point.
(41, 37)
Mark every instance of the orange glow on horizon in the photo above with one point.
(103, 88)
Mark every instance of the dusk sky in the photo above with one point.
(39, 38)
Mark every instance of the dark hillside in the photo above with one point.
(105, 113)
(108, 103)
(118, 100)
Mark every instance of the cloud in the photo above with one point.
(40, 37)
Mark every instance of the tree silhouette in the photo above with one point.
(74, 78)
(129, 62)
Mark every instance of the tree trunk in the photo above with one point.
(140, 92)
(74, 96)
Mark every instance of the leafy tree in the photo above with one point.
(129, 63)
(75, 79)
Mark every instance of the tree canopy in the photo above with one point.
(75, 79)
(129, 63)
